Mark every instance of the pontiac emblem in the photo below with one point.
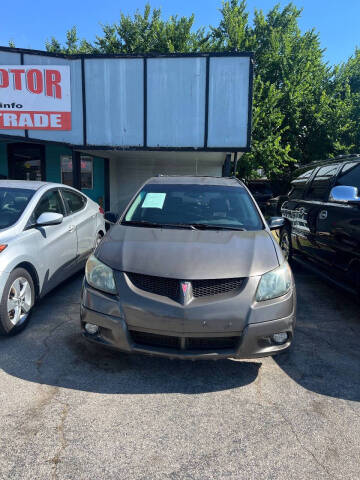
(186, 292)
(184, 286)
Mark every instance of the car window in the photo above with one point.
(13, 202)
(74, 201)
(350, 175)
(322, 182)
(298, 185)
(49, 202)
(195, 204)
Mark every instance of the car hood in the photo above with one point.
(188, 254)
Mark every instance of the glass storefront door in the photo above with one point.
(26, 161)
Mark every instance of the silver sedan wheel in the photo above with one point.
(19, 301)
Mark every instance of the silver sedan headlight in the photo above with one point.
(99, 275)
(275, 283)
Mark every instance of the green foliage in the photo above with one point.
(303, 110)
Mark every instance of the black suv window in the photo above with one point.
(350, 175)
(298, 185)
(323, 180)
(74, 201)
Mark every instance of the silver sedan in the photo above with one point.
(47, 231)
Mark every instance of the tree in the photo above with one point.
(142, 33)
(303, 110)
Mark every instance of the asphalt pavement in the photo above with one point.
(71, 410)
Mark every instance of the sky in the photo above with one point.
(30, 23)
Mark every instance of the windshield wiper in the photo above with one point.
(145, 223)
(209, 226)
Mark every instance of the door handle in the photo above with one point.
(323, 215)
(71, 228)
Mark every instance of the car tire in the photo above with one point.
(285, 243)
(19, 292)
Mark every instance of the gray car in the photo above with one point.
(47, 232)
(190, 270)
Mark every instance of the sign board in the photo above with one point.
(188, 102)
(35, 97)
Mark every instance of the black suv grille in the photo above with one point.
(211, 344)
(170, 287)
(207, 288)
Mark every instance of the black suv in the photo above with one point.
(323, 219)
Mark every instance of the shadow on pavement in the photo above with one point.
(325, 356)
(51, 351)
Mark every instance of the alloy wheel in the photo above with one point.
(19, 301)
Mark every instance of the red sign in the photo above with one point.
(35, 97)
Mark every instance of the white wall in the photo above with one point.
(129, 170)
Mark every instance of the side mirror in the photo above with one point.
(275, 223)
(344, 194)
(111, 217)
(49, 218)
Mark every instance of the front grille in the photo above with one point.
(168, 287)
(211, 344)
(152, 340)
(207, 288)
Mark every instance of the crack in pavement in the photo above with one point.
(40, 360)
(62, 439)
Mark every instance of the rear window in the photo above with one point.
(195, 204)
(13, 202)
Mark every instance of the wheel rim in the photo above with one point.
(19, 301)
(285, 245)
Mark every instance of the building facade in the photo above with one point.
(125, 118)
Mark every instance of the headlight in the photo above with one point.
(274, 284)
(99, 275)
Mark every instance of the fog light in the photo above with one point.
(91, 328)
(280, 338)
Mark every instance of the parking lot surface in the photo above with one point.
(70, 410)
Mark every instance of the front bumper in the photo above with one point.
(254, 342)
(232, 328)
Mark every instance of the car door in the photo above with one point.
(83, 218)
(294, 210)
(314, 211)
(339, 231)
(57, 244)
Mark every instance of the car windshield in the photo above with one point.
(13, 202)
(194, 206)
